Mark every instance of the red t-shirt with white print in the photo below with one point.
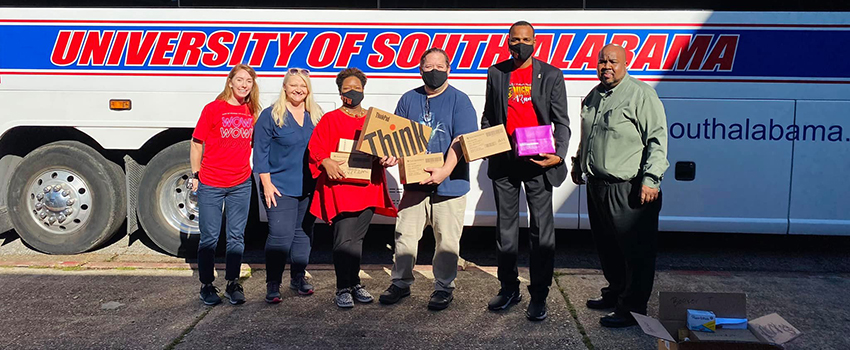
(226, 132)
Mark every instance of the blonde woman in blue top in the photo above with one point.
(280, 158)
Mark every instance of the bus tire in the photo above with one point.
(167, 209)
(66, 198)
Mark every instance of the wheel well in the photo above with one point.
(159, 142)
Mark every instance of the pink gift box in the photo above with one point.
(534, 140)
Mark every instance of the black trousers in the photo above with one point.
(349, 231)
(541, 233)
(626, 236)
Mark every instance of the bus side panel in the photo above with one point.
(741, 185)
(819, 184)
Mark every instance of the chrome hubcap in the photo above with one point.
(179, 205)
(60, 200)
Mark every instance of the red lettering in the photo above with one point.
(544, 46)
(412, 47)
(722, 56)
(67, 47)
(683, 51)
(652, 53)
(628, 42)
(139, 47)
(495, 51)
(286, 46)
(189, 49)
(95, 48)
(588, 52)
(559, 58)
(384, 53)
(324, 50)
(219, 53)
(118, 46)
(163, 46)
(240, 48)
(448, 42)
(260, 47)
(473, 41)
(350, 47)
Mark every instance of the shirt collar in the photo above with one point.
(602, 91)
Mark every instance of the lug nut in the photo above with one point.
(65, 193)
(38, 206)
(51, 220)
(61, 218)
(68, 211)
(47, 189)
(70, 201)
(43, 214)
(57, 188)
(39, 196)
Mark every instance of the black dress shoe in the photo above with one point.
(536, 311)
(440, 300)
(615, 320)
(601, 303)
(504, 299)
(393, 294)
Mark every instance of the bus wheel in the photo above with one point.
(167, 208)
(66, 198)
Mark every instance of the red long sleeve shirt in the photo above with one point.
(333, 197)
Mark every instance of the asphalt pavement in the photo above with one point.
(126, 295)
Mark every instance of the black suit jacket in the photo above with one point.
(549, 98)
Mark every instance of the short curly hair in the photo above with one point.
(349, 72)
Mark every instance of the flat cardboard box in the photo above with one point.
(386, 134)
(412, 169)
(346, 146)
(770, 331)
(735, 335)
(485, 142)
(357, 167)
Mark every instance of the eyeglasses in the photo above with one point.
(299, 70)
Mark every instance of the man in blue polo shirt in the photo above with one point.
(440, 200)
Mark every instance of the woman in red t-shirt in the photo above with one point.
(220, 153)
(347, 206)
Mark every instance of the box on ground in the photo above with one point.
(386, 134)
(485, 143)
(770, 331)
(357, 167)
(533, 140)
(412, 169)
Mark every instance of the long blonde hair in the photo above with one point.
(310, 105)
(253, 98)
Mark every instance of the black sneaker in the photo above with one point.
(234, 293)
(272, 292)
(209, 294)
(361, 295)
(440, 300)
(393, 294)
(301, 285)
(536, 311)
(504, 299)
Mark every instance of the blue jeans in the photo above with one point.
(235, 202)
(290, 236)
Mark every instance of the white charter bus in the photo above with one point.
(98, 104)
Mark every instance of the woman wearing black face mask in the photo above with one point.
(348, 207)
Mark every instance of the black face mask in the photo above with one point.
(521, 51)
(351, 98)
(435, 78)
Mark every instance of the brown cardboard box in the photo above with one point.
(357, 167)
(485, 143)
(388, 134)
(412, 169)
(345, 145)
(769, 332)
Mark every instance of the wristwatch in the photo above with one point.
(195, 175)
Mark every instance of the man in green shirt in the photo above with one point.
(623, 151)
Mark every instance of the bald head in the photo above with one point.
(611, 68)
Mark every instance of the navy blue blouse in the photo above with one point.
(282, 152)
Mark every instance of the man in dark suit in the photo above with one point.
(524, 92)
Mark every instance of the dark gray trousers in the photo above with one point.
(626, 236)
